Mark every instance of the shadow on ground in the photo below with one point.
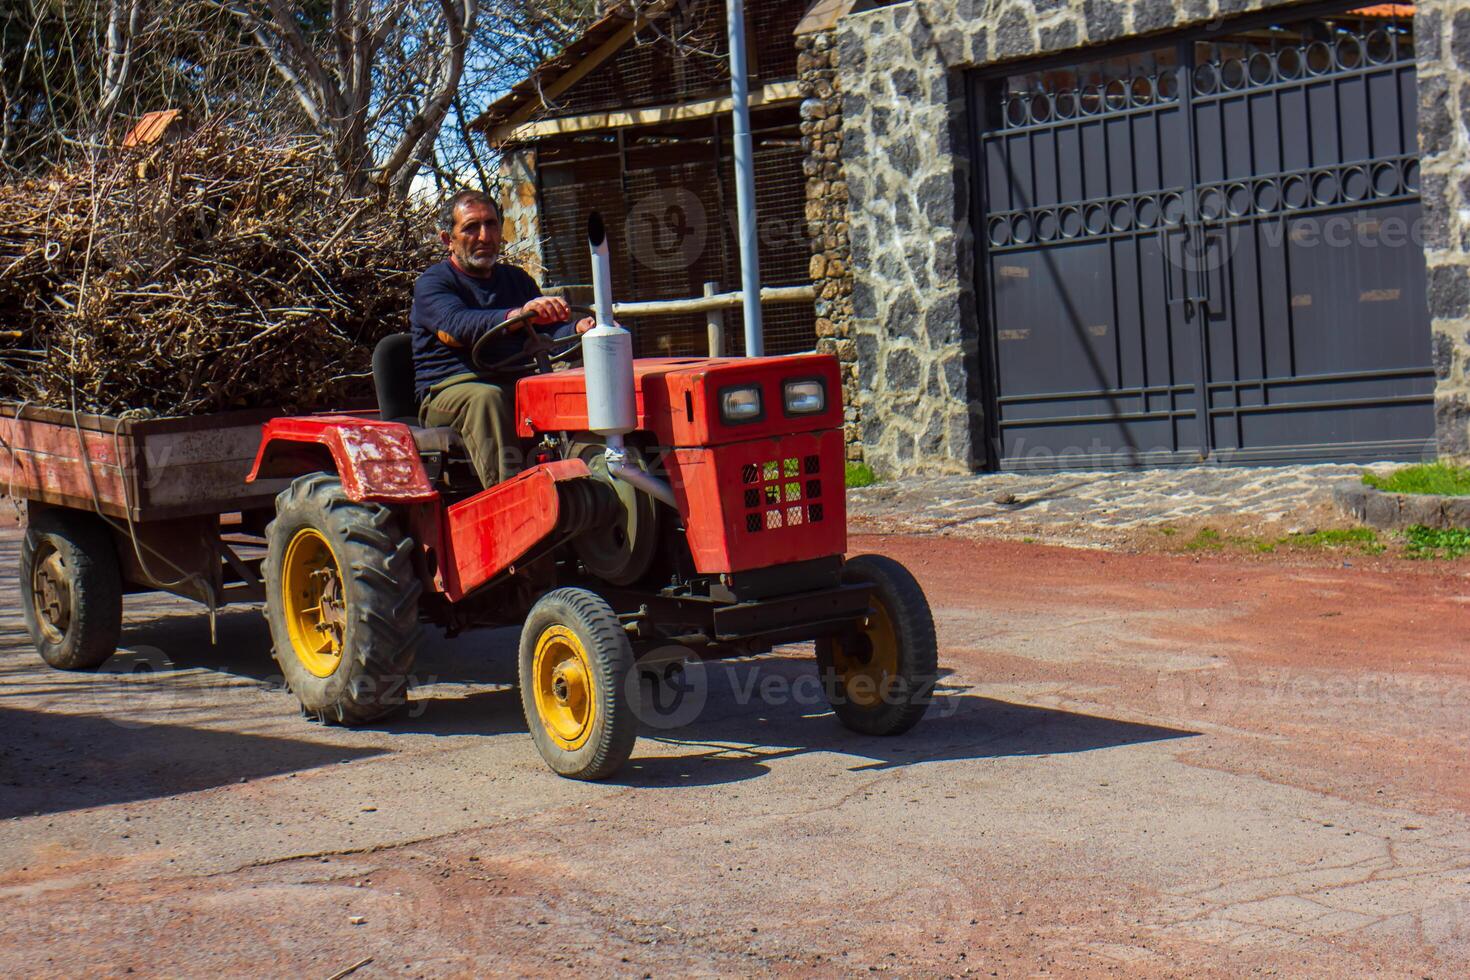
(726, 721)
(55, 762)
(759, 712)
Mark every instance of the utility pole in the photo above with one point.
(750, 266)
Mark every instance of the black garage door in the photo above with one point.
(1208, 249)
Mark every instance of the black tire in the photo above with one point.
(373, 602)
(893, 696)
(71, 589)
(576, 744)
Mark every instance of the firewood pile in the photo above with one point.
(211, 274)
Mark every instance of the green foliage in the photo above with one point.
(1205, 539)
(1433, 542)
(1433, 478)
(860, 475)
(1362, 540)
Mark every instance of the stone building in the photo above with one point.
(1095, 233)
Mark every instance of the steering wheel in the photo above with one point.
(538, 351)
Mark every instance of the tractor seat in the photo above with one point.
(440, 439)
(393, 380)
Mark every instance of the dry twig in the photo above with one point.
(218, 275)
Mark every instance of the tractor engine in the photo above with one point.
(749, 452)
(752, 451)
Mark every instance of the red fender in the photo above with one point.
(489, 532)
(376, 461)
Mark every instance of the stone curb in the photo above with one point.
(1395, 511)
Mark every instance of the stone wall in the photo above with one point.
(826, 215)
(515, 191)
(894, 211)
(1442, 30)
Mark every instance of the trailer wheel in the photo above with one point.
(577, 685)
(71, 589)
(880, 678)
(341, 601)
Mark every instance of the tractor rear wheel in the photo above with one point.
(578, 686)
(342, 602)
(880, 677)
(71, 589)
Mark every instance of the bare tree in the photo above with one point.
(76, 73)
(369, 61)
(389, 85)
(122, 31)
(512, 39)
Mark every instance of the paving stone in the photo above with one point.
(1104, 500)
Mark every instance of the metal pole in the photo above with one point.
(601, 270)
(714, 323)
(750, 269)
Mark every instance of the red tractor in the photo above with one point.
(669, 508)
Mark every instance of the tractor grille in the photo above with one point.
(784, 492)
(764, 502)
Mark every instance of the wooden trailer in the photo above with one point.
(118, 505)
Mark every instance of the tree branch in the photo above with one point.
(122, 30)
(459, 21)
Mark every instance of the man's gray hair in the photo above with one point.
(449, 207)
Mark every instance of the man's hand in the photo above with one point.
(547, 310)
(585, 324)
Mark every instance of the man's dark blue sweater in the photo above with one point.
(449, 303)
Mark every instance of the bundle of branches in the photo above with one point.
(219, 272)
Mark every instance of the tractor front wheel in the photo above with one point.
(880, 676)
(578, 687)
(342, 602)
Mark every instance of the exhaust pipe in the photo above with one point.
(607, 359)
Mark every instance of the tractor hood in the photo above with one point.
(683, 401)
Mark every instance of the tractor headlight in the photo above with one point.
(741, 404)
(805, 397)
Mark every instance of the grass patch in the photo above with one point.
(1434, 542)
(1440, 479)
(1363, 540)
(860, 475)
(1206, 539)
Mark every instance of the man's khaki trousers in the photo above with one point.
(481, 413)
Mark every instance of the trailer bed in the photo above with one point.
(141, 470)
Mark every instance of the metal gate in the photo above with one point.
(1208, 249)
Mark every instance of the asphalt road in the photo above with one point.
(1146, 765)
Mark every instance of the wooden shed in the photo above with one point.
(633, 120)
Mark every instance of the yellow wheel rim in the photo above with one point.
(565, 693)
(314, 600)
(865, 665)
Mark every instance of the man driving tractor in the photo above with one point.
(455, 302)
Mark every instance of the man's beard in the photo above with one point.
(481, 263)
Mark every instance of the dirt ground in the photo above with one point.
(1141, 764)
